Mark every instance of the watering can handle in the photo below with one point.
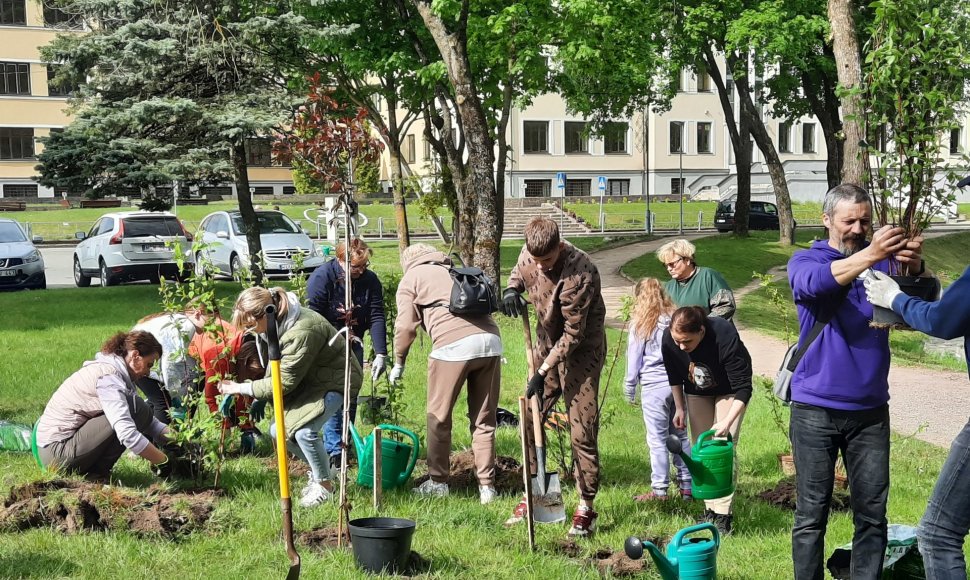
(414, 456)
(709, 434)
(680, 537)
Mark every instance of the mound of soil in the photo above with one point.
(75, 506)
(784, 494)
(613, 564)
(462, 476)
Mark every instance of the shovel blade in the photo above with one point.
(548, 507)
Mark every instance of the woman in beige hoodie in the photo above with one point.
(464, 349)
(96, 414)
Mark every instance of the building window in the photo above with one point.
(577, 187)
(13, 12)
(407, 149)
(677, 137)
(882, 138)
(427, 149)
(729, 88)
(784, 137)
(955, 148)
(289, 190)
(55, 89)
(576, 138)
(704, 138)
(16, 143)
(259, 152)
(19, 190)
(617, 187)
(538, 187)
(678, 185)
(55, 17)
(704, 84)
(808, 137)
(536, 134)
(263, 190)
(614, 138)
(215, 191)
(678, 81)
(14, 78)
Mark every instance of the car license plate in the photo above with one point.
(8, 272)
(153, 247)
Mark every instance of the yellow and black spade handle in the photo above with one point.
(273, 339)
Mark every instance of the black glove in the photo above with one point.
(163, 469)
(257, 411)
(537, 384)
(512, 302)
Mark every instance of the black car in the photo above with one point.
(762, 216)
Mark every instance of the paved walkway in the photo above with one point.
(933, 405)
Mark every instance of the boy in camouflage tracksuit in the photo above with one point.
(564, 288)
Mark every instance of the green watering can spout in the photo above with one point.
(634, 550)
(358, 442)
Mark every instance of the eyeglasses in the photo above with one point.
(673, 264)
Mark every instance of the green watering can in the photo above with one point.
(686, 559)
(711, 464)
(397, 459)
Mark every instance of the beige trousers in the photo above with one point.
(445, 379)
(702, 412)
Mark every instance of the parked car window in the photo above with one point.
(206, 225)
(106, 225)
(770, 209)
(154, 226)
(220, 224)
(269, 223)
(11, 232)
(757, 207)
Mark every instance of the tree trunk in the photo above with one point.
(739, 142)
(246, 211)
(845, 45)
(479, 183)
(786, 231)
(394, 154)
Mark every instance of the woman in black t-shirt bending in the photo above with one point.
(709, 370)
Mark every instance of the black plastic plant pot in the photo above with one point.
(924, 288)
(381, 544)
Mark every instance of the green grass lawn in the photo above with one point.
(46, 336)
(60, 224)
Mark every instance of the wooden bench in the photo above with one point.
(100, 203)
(193, 201)
(12, 205)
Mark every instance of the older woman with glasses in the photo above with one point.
(693, 285)
(325, 295)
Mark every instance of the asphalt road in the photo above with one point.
(58, 263)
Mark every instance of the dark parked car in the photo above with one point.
(763, 216)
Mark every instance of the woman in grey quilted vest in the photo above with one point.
(96, 414)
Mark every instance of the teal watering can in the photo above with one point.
(397, 459)
(711, 465)
(687, 558)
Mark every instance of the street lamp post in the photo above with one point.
(681, 188)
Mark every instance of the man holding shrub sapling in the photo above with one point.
(564, 288)
(840, 388)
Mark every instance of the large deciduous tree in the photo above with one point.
(845, 46)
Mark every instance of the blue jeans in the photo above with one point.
(308, 445)
(333, 429)
(947, 519)
(817, 435)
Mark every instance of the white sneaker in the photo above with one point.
(487, 493)
(315, 494)
(431, 488)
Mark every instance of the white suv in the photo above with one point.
(134, 245)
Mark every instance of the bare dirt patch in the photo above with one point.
(74, 506)
(613, 564)
(783, 496)
(323, 538)
(463, 474)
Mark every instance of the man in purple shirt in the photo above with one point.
(840, 389)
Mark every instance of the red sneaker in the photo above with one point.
(584, 523)
(518, 514)
(686, 495)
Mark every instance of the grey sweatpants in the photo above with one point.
(94, 449)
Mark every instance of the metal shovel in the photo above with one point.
(547, 502)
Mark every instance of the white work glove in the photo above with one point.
(378, 366)
(396, 373)
(881, 290)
